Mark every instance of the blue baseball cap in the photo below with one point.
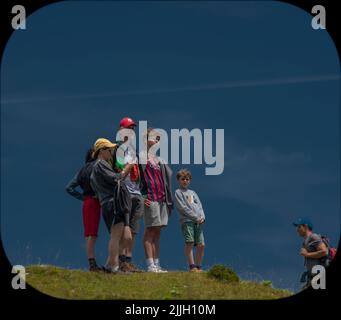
(301, 221)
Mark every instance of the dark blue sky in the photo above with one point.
(256, 69)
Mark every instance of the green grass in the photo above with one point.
(79, 284)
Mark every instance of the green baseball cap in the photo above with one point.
(301, 221)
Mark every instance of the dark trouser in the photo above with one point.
(137, 211)
(306, 278)
(109, 216)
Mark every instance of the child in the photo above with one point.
(91, 208)
(192, 217)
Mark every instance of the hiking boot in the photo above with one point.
(95, 268)
(133, 268)
(93, 265)
(125, 267)
(122, 266)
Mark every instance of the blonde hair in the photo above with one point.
(183, 173)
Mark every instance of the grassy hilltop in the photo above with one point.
(79, 284)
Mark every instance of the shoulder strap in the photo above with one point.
(326, 241)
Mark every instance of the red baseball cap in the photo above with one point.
(127, 122)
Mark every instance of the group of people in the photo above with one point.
(124, 191)
(107, 181)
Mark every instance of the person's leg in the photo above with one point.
(187, 229)
(90, 247)
(157, 235)
(122, 251)
(91, 217)
(163, 222)
(189, 254)
(199, 255)
(137, 212)
(148, 242)
(125, 256)
(90, 252)
(200, 245)
(148, 239)
(156, 251)
(130, 246)
(150, 219)
(115, 236)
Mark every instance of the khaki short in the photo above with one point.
(156, 215)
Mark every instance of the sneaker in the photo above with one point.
(159, 269)
(194, 270)
(152, 268)
(111, 270)
(106, 270)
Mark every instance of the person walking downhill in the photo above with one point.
(156, 176)
(314, 250)
(91, 207)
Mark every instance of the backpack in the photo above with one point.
(122, 199)
(331, 250)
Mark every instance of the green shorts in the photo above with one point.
(193, 232)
